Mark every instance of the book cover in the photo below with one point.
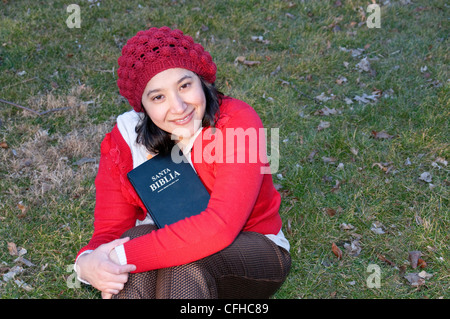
(170, 189)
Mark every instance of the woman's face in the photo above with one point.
(175, 102)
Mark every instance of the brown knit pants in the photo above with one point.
(251, 267)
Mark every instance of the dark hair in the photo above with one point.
(159, 141)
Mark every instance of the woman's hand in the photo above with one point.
(102, 270)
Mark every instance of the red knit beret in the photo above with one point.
(157, 49)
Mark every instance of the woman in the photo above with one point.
(234, 248)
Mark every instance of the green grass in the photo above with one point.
(75, 68)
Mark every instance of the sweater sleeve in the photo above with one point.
(233, 195)
(113, 214)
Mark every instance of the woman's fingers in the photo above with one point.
(116, 270)
(102, 272)
(114, 273)
(112, 244)
(106, 295)
(119, 241)
(111, 287)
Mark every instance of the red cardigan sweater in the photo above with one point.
(242, 199)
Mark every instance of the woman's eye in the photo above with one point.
(185, 85)
(157, 98)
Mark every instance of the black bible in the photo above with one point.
(169, 188)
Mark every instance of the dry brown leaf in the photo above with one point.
(426, 177)
(12, 248)
(259, 38)
(337, 186)
(4, 145)
(345, 226)
(4, 269)
(383, 258)
(24, 261)
(421, 263)
(330, 211)
(12, 272)
(423, 274)
(336, 250)
(323, 125)
(290, 16)
(341, 79)
(312, 154)
(377, 228)
(20, 283)
(353, 248)
(354, 151)
(240, 59)
(291, 4)
(414, 279)
(23, 209)
(251, 63)
(329, 160)
(385, 167)
(381, 135)
(402, 270)
(441, 160)
(414, 258)
(418, 279)
(289, 227)
(243, 60)
(364, 65)
(325, 111)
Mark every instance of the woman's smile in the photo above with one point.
(185, 119)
